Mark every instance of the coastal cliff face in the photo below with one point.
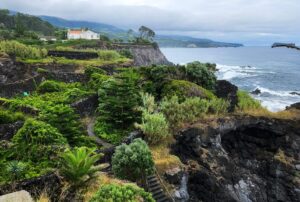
(146, 55)
(242, 159)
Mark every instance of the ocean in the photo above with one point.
(276, 72)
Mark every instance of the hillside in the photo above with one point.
(24, 22)
(115, 32)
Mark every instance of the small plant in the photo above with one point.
(218, 106)
(133, 162)
(148, 102)
(91, 70)
(115, 192)
(10, 117)
(96, 80)
(155, 127)
(16, 170)
(50, 86)
(77, 165)
(246, 102)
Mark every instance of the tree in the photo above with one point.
(77, 165)
(146, 33)
(133, 162)
(119, 99)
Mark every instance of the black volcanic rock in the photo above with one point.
(257, 91)
(226, 90)
(242, 158)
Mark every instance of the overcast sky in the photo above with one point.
(252, 22)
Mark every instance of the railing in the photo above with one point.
(164, 186)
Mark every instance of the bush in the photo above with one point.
(246, 102)
(184, 89)
(50, 86)
(91, 70)
(109, 133)
(37, 141)
(218, 106)
(126, 53)
(77, 165)
(120, 193)
(119, 99)
(108, 55)
(20, 50)
(155, 127)
(133, 162)
(148, 102)
(16, 170)
(199, 73)
(67, 122)
(186, 112)
(10, 117)
(96, 80)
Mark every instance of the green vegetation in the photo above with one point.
(185, 89)
(50, 87)
(133, 162)
(7, 116)
(20, 50)
(16, 170)
(218, 106)
(246, 102)
(120, 193)
(77, 165)
(96, 80)
(200, 74)
(188, 111)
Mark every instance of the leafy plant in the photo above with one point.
(108, 54)
(155, 127)
(218, 106)
(96, 80)
(109, 133)
(120, 193)
(246, 102)
(199, 73)
(132, 162)
(186, 112)
(91, 70)
(49, 86)
(185, 89)
(77, 165)
(10, 117)
(37, 140)
(16, 170)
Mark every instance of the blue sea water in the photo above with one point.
(276, 72)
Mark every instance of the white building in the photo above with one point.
(82, 34)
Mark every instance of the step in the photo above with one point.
(157, 192)
(160, 196)
(152, 180)
(151, 186)
(151, 176)
(155, 189)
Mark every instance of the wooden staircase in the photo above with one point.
(154, 187)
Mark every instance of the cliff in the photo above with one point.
(144, 55)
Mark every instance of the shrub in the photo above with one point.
(20, 50)
(184, 89)
(133, 161)
(246, 102)
(126, 53)
(186, 112)
(91, 70)
(148, 102)
(96, 80)
(67, 122)
(10, 117)
(119, 99)
(77, 165)
(108, 55)
(155, 127)
(114, 192)
(218, 106)
(109, 133)
(199, 73)
(37, 140)
(16, 170)
(49, 86)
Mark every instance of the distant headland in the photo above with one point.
(287, 45)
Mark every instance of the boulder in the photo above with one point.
(174, 175)
(257, 91)
(7, 131)
(19, 196)
(294, 106)
(226, 90)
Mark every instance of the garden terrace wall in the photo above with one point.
(27, 85)
(7, 131)
(73, 54)
(50, 183)
(67, 77)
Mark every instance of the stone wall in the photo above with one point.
(68, 77)
(86, 106)
(50, 183)
(7, 131)
(73, 55)
(27, 85)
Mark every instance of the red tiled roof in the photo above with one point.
(76, 31)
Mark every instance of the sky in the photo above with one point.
(251, 22)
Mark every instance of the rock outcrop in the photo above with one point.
(226, 90)
(242, 158)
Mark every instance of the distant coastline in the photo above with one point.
(287, 45)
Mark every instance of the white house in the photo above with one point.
(82, 34)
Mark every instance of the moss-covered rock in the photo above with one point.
(184, 89)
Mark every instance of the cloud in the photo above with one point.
(241, 18)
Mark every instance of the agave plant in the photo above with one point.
(16, 170)
(78, 165)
